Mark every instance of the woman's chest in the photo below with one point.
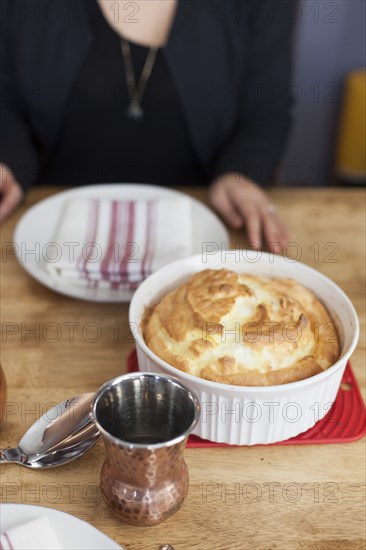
(204, 60)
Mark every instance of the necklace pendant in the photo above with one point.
(135, 112)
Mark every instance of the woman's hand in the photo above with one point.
(11, 192)
(242, 203)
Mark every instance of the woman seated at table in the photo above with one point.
(170, 92)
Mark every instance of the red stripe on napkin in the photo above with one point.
(152, 241)
(147, 237)
(115, 269)
(122, 236)
(149, 241)
(105, 271)
(123, 271)
(91, 233)
(8, 541)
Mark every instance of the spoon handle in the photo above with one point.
(12, 455)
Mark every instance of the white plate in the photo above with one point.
(36, 229)
(72, 532)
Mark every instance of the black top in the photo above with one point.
(227, 61)
(99, 143)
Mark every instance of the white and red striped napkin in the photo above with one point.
(37, 534)
(116, 243)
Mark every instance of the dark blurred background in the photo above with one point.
(330, 43)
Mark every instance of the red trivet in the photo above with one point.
(345, 422)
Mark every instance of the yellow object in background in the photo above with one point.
(351, 146)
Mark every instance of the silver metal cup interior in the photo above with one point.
(146, 409)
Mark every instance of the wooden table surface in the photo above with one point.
(238, 497)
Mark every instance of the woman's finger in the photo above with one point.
(252, 220)
(10, 198)
(222, 203)
(274, 232)
(284, 235)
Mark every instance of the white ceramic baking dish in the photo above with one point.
(243, 415)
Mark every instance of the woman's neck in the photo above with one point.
(146, 22)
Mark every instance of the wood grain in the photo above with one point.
(305, 497)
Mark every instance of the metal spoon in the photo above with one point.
(62, 434)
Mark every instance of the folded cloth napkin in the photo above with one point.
(117, 244)
(37, 534)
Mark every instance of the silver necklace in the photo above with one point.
(136, 90)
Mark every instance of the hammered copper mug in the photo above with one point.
(145, 420)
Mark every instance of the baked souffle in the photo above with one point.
(242, 330)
